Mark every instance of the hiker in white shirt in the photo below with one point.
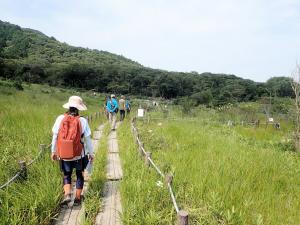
(80, 161)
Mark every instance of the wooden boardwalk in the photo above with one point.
(73, 215)
(112, 208)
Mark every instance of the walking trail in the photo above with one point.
(73, 215)
(112, 208)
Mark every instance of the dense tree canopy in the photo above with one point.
(31, 56)
(280, 86)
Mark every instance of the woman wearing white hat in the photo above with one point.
(72, 145)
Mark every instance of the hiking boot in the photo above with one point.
(77, 202)
(67, 199)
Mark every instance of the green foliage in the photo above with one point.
(18, 85)
(226, 175)
(31, 56)
(143, 201)
(204, 97)
(280, 86)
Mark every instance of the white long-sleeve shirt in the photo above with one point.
(86, 131)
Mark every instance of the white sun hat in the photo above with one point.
(76, 102)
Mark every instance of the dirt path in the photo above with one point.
(74, 214)
(112, 208)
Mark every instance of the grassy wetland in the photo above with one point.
(222, 174)
(143, 200)
(239, 174)
(26, 119)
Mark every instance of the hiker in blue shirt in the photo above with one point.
(127, 105)
(112, 108)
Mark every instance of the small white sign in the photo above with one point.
(140, 113)
(271, 119)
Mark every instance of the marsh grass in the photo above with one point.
(143, 201)
(26, 119)
(93, 197)
(226, 175)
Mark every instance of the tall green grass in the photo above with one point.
(143, 201)
(227, 175)
(26, 119)
(93, 197)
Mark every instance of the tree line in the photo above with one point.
(30, 56)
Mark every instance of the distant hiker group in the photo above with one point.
(113, 106)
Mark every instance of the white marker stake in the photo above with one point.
(140, 113)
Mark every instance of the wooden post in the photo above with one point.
(182, 218)
(169, 179)
(23, 169)
(147, 156)
(42, 147)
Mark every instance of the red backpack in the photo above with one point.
(69, 138)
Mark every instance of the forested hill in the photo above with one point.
(29, 55)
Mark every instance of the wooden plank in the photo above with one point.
(114, 169)
(111, 205)
(112, 208)
(113, 146)
(113, 135)
(76, 211)
(97, 135)
(64, 216)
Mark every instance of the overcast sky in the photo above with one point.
(254, 39)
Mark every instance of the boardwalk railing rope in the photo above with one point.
(10, 180)
(182, 216)
(22, 173)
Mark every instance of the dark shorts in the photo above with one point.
(68, 166)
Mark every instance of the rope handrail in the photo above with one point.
(42, 148)
(19, 173)
(182, 215)
(38, 156)
(143, 149)
(155, 167)
(171, 118)
(11, 180)
(173, 197)
(195, 120)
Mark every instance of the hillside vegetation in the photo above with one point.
(29, 55)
